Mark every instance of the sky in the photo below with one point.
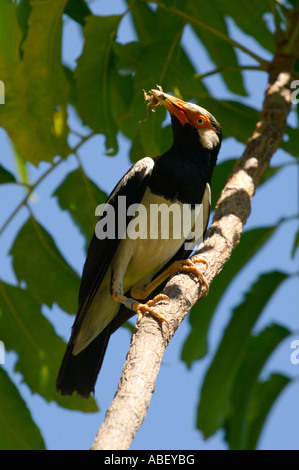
(170, 421)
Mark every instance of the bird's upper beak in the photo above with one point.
(174, 105)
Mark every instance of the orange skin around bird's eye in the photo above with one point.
(200, 121)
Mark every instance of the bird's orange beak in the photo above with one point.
(173, 105)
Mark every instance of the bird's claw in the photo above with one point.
(145, 309)
(189, 266)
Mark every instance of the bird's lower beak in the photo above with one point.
(174, 105)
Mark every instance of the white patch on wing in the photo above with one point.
(146, 163)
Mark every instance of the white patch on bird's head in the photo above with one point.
(206, 129)
(208, 138)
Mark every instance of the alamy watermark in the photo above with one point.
(294, 357)
(2, 92)
(156, 222)
(2, 353)
(295, 93)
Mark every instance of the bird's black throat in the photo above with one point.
(183, 171)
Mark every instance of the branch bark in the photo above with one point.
(150, 339)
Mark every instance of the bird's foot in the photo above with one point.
(189, 266)
(145, 309)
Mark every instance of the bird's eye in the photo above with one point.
(200, 120)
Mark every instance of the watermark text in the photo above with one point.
(295, 93)
(155, 222)
(294, 358)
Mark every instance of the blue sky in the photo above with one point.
(170, 421)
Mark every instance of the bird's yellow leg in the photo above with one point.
(186, 265)
(142, 309)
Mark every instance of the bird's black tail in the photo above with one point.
(79, 373)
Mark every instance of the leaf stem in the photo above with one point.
(32, 187)
(275, 16)
(229, 68)
(86, 182)
(202, 24)
(170, 54)
(293, 41)
(26, 197)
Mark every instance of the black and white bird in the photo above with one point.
(121, 270)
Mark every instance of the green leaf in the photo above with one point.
(250, 12)
(296, 66)
(37, 261)
(129, 56)
(6, 176)
(151, 135)
(20, 163)
(77, 10)
(122, 87)
(17, 429)
(264, 396)
(296, 244)
(195, 346)
(27, 332)
(93, 75)
(80, 196)
(237, 120)
(154, 26)
(144, 18)
(294, 3)
(23, 11)
(259, 350)
(291, 145)
(221, 52)
(34, 113)
(215, 402)
(14, 115)
(48, 86)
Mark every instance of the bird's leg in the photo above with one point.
(139, 308)
(189, 266)
(178, 266)
(116, 289)
(143, 309)
(186, 265)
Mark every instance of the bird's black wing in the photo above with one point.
(100, 252)
(78, 373)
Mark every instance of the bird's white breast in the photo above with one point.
(159, 225)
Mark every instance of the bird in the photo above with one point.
(120, 271)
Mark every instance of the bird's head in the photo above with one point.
(191, 116)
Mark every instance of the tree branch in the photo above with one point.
(150, 339)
